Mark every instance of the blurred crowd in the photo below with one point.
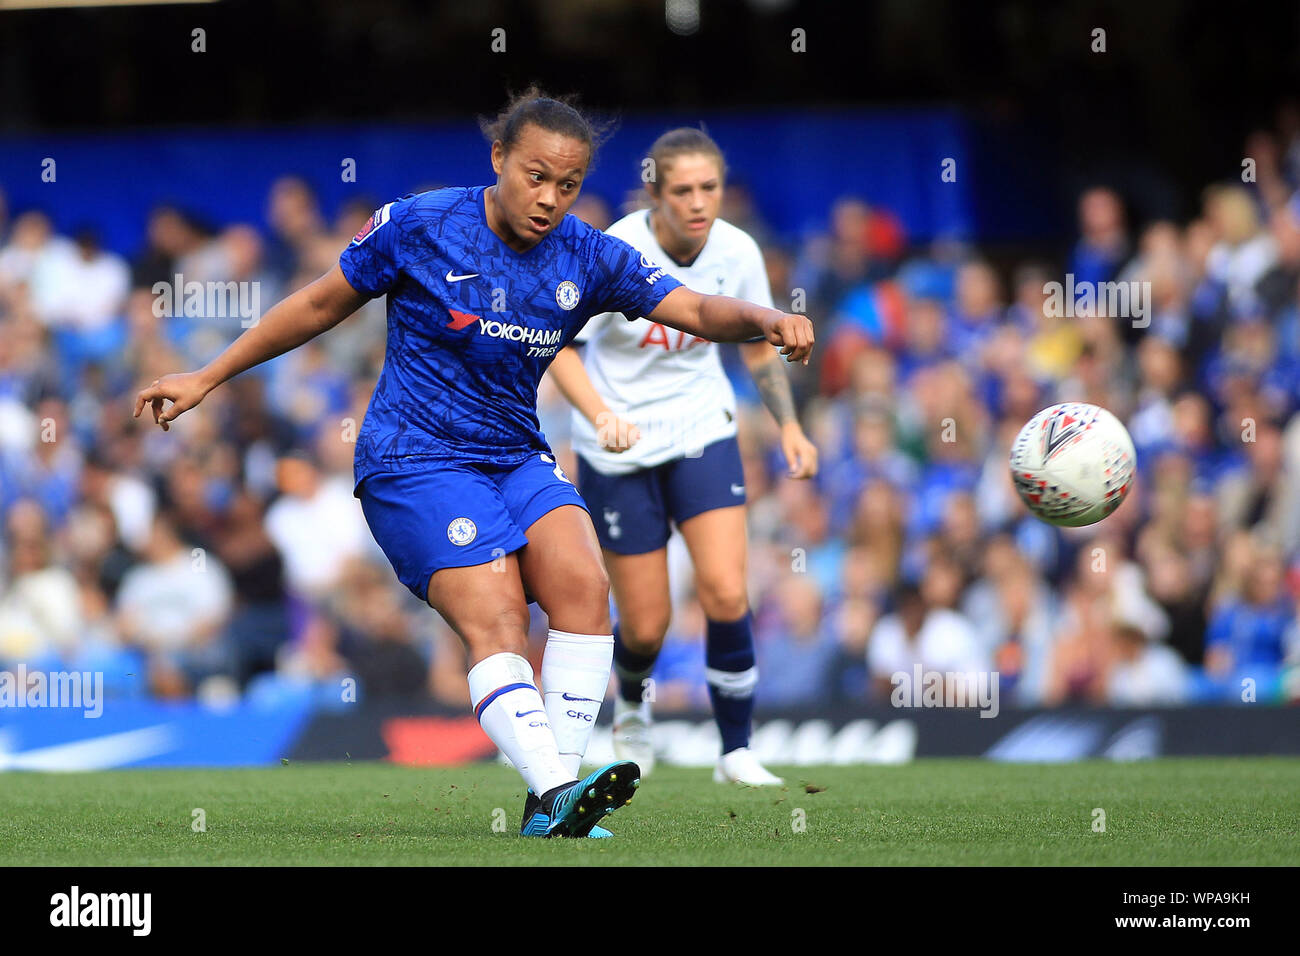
(228, 557)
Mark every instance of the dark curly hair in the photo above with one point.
(557, 114)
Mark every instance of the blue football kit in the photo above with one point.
(451, 466)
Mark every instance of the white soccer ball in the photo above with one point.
(1073, 464)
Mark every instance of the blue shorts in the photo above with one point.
(459, 515)
(632, 513)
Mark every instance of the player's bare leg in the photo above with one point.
(640, 586)
(563, 571)
(561, 568)
(485, 605)
(716, 540)
(640, 583)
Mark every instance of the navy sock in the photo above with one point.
(631, 669)
(729, 659)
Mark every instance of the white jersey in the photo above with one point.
(669, 384)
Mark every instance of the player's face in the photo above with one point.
(537, 181)
(690, 195)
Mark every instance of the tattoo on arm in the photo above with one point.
(774, 388)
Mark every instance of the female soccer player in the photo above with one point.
(655, 432)
(485, 285)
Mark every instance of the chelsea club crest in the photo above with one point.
(461, 532)
(567, 295)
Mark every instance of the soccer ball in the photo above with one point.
(1073, 464)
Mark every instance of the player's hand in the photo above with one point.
(792, 333)
(800, 453)
(616, 434)
(184, 390)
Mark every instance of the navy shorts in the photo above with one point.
(632, 513)
(459, 515)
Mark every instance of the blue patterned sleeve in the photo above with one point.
(629, 282)
(370, 261)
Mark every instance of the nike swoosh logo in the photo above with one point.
(452, 278)
(527, 712)
(737, 489)
(590, 700)
(93, 753)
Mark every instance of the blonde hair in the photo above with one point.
(1234, 212)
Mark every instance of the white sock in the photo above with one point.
(575, 674)
(511, 713)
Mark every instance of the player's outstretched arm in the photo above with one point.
(294, 320)
(721, 318)
(570, 377)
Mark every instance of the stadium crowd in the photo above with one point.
(228, 556)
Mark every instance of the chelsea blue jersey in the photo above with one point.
(473, 325)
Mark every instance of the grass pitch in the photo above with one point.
(1240, 811)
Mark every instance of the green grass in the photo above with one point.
(931, 812)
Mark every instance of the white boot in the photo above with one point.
(632, 739)
(741, 766)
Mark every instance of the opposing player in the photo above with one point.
(485, 284)
(655, 432)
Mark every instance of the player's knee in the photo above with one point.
(580, 597)
(723, 600)
(644, 632)
(596, 582)
(589, 584)
(503, 632)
